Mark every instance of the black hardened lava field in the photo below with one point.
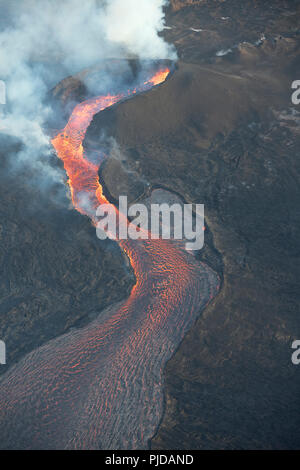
(150, 226)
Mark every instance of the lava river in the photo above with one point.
(100, 386)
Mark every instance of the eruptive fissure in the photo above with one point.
(101, 386)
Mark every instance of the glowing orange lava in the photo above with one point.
(83, 175)
(100, 386)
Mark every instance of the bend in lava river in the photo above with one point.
(100, 387)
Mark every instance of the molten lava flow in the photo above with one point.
(83, 179)
(100, 386)
(158, 78)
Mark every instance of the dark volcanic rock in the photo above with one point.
(202, 28)
(120, 180)
(56, 274)
(222, 131)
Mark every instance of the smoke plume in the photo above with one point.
(42, 42)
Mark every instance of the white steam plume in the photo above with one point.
(43, 41)
(136, 24)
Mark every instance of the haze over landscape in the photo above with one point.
(140, 344)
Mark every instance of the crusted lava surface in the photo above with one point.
(220, 131)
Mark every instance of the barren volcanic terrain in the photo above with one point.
(223, 131)
(220, 131)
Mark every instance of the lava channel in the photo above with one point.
(100, 386)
